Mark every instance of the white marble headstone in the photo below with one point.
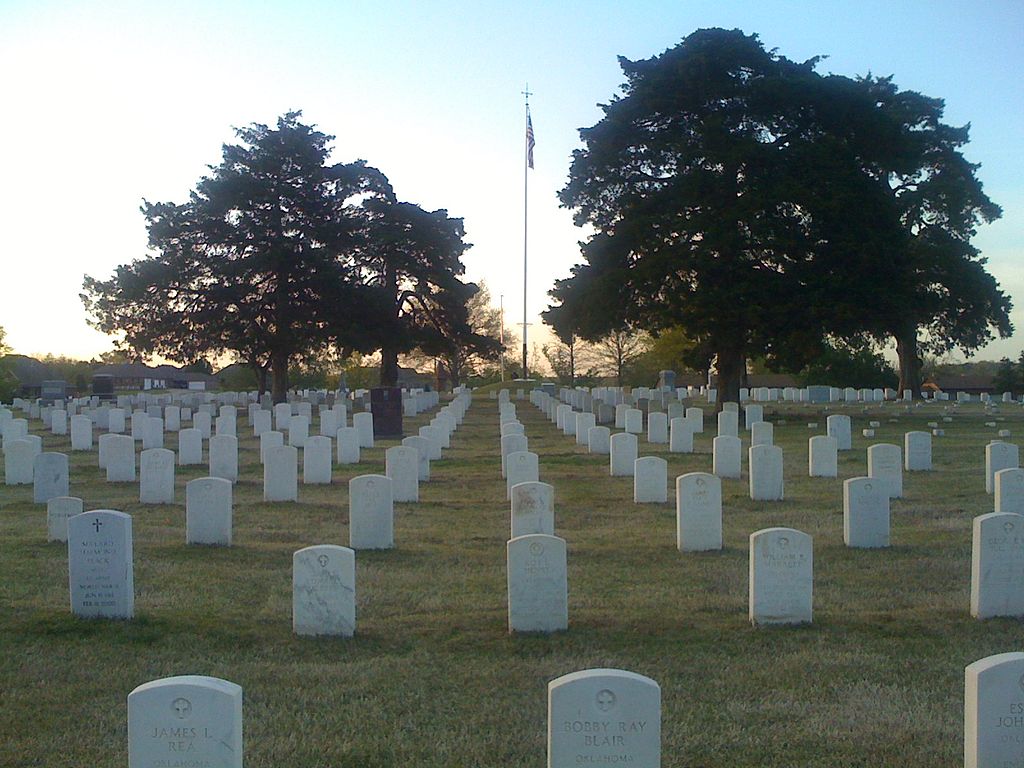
(698, 512)
(100, 571)
(993, 709)
(208, 511)
(537, 584)
(997, 566)
(371, 512)
(781, 577)
(188, 721)
(604, 717)
(324, 591)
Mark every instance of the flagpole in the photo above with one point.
(526, 178)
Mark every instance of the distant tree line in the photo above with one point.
(765, 211)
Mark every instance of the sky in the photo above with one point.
(109, 103)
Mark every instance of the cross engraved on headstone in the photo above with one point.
(96, 524)
(181, 707)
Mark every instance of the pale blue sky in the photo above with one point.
(106, 103)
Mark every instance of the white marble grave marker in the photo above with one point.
(1009, 490)
(348, 445)
(885, 463)
(623, 454)
(766, 482)
(208, 509)
(316, 461)
(156, 476)
(100, 570)
(520, 467)
(994, 712)
(604, 717)
(865, 513)
(120, 459)
(917, 451)
(725, 456)
(650, 480)
(50, 476)
(698, 512)
(822, 456)
(999, 455)
(189, 721)
(58, 510)
(371, 512)
(224, 457)
(533, 509)
(324, 591)
(402, 466)
(997, 566)
(281, 473)
(537, 584)
(781, 577)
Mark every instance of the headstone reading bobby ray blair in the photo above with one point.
(604, 717)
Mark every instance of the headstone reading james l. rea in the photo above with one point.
(698, 512)
(188, 721)
(371, 512)
(281, 474)
(100, 573)
(997, 566)
(781, 577)
(604, 717)
(994, 712)
(58, 510)
(538, 597)
(49, 476)
(533, 509)
(865, 513)
(208, 502)
(324, 591)
(650, 480)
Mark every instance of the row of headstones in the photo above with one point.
(24, 462)
(866, 511)
(594, 717)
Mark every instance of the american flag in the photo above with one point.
(529, 141)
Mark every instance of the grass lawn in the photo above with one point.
(432, 677)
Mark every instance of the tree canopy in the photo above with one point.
(277, 257)
(761, 208)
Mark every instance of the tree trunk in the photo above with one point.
(279, 364)
(909, 360)
(730, 366)
(388, 367)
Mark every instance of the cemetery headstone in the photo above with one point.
(371, 512)
(997, 566)
(324, 591)
(190, 721)
(537, 584)
(208, 511)
(865, 513)
(698, 512)
(100, 569)
(993, 722)
(604, 717)
(781, 577)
